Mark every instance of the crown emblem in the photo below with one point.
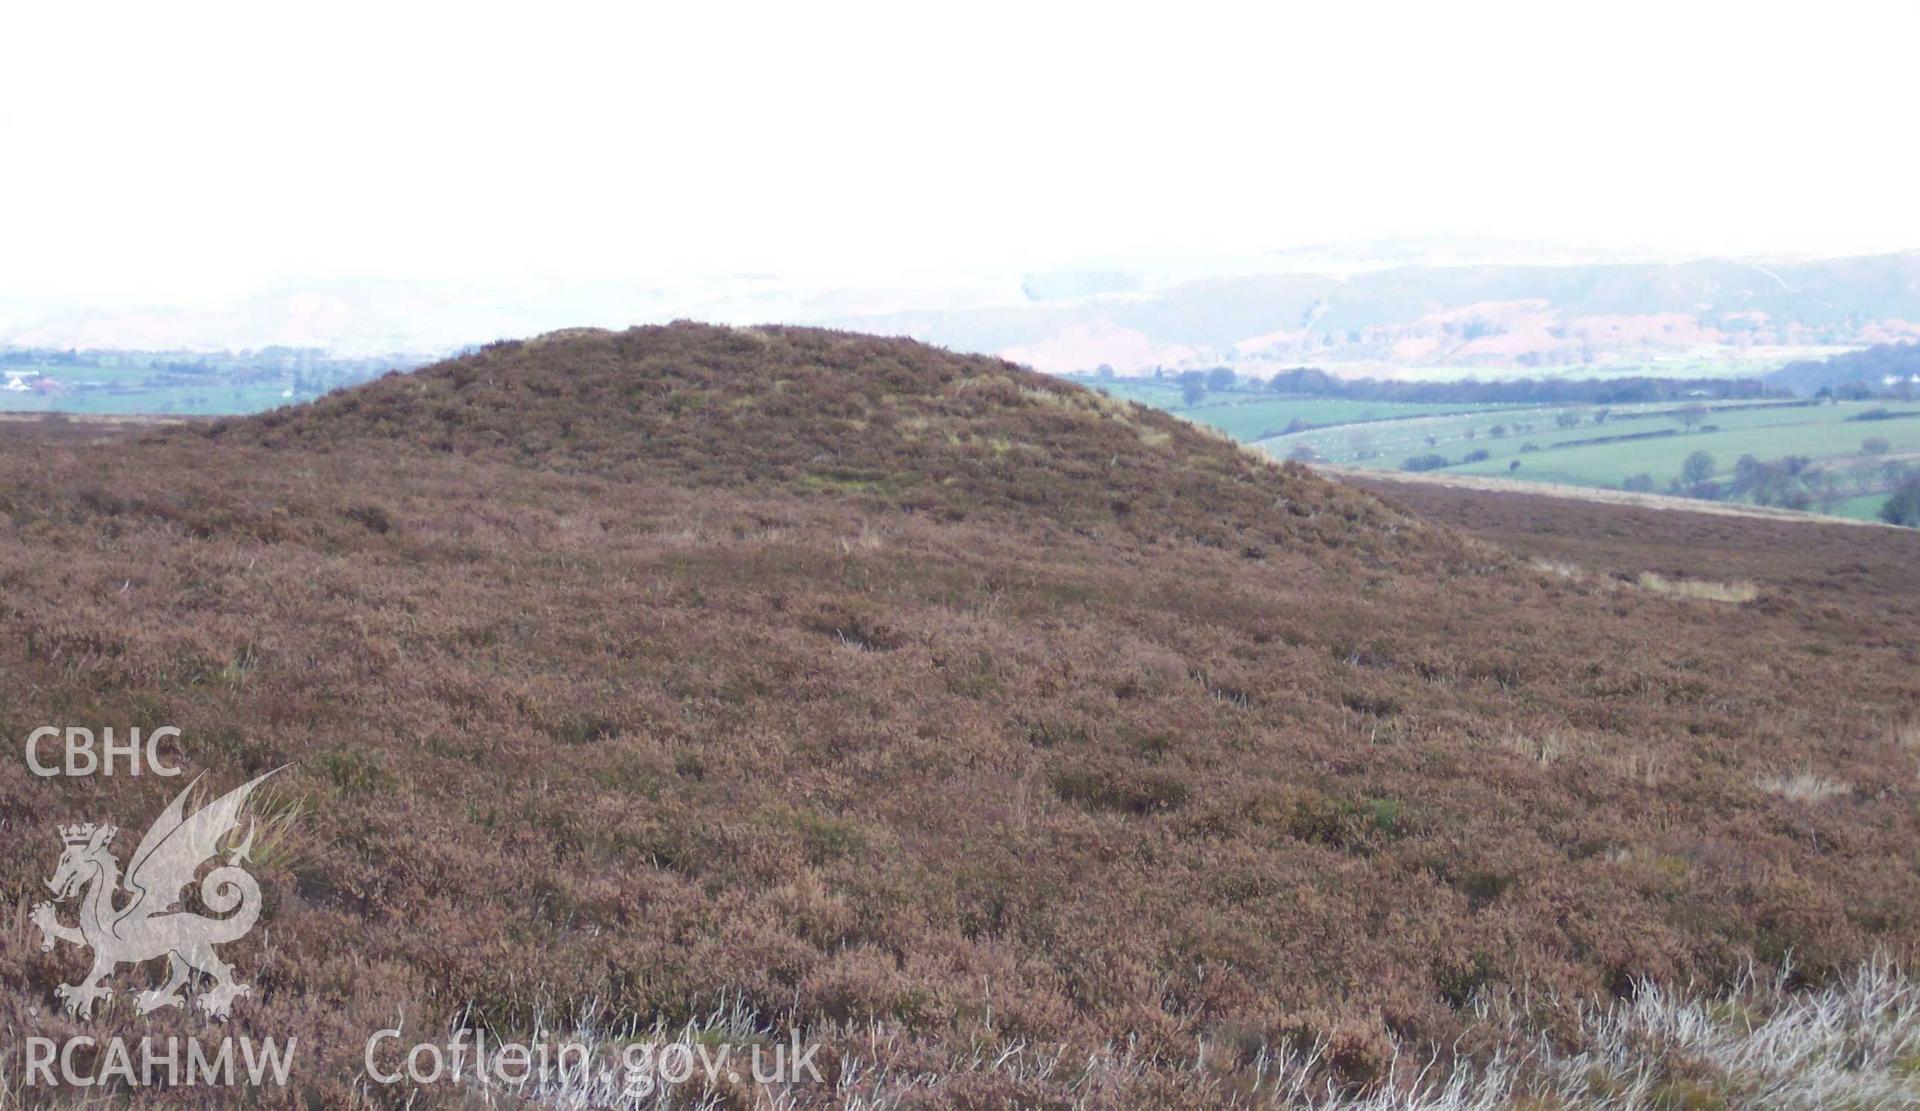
(83, 833)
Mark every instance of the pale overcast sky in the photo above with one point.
(213, 147)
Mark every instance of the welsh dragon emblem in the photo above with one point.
(147, 924)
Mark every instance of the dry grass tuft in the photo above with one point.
(1699, 589)
(1802, 786)
(1758, 1043)
(1543, 751)
(1557, 568)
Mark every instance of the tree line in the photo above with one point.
(1313, 382)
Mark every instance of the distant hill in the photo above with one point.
(1885, 367)
(1464, 318)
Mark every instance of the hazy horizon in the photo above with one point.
(196, 162)
(1067, 187)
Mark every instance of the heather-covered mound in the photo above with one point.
(806, 411)
(1018, 747)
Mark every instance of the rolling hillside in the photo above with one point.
(1018, 745)
(1698, 317)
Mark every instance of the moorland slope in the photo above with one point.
(946, 713)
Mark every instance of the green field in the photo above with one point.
(208, 400)
(100, 390)
(1256, 414)
(1866, 507)
(175, 383)
(1534, 445)
(1766, 432)
(1582, 445)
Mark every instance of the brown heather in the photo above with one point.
(921, 702)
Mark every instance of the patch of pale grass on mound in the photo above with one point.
(1703, 590)
(1543, 750)
(1638, 767)
(1077, 401)
(1699, 589)
(1802, 786)
(868, 539)
(1557, 568)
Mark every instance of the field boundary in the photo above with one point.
(1588, 493)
